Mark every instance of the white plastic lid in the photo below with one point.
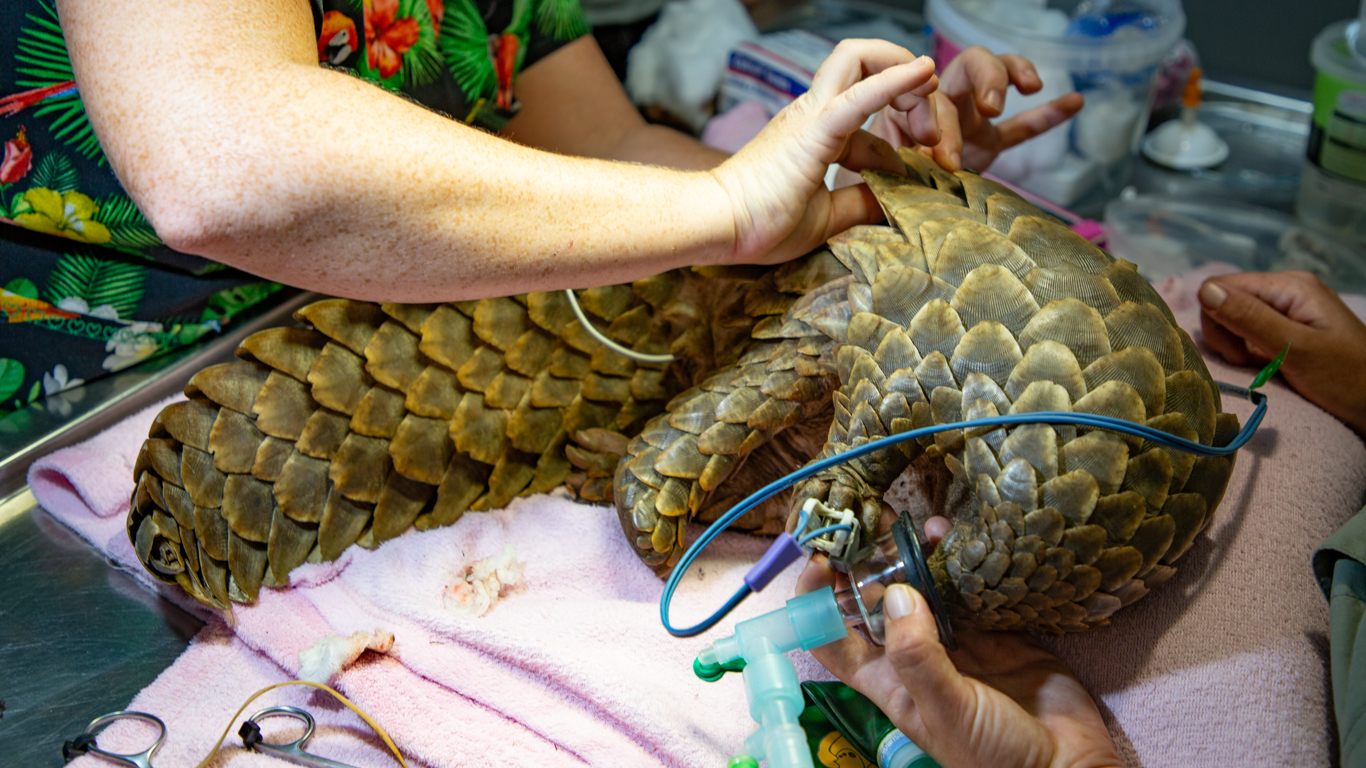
(1184, 147)
(1330, 54)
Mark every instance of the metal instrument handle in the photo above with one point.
(141, 759)
(294, 751)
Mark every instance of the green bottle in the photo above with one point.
(846, 730)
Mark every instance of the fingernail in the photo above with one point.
(993, 100)
(1212, 295)
(956, 159)
(898, 601)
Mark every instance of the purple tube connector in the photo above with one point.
(780, 555)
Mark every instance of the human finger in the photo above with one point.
(845, 112)
(918, 118)
(844, 658)
(1265, 330)
(936, 528)
(948, 151)
(1031, 123)
(852, 61)
(885, 127)
(843, 208)
(1022, 73)
(1224, 342)
(979, 77)
(868, 152)
(850, 207)
(922, 663)
(1300, 296)
(815, 575)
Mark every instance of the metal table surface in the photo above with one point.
(79, 638)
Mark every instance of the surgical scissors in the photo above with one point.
(294, 751)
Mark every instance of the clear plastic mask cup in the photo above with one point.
(895, 558)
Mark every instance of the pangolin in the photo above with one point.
(969, 303)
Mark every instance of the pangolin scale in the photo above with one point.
(970, 303)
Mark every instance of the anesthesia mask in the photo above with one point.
(894, 558)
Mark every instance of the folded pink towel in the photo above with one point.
(1224, 661)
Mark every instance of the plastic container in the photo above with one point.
(1165, 236)
(1110, 52)
(1333, 189)
(1266, 144)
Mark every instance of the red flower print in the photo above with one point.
(18, 159)
(338, 39)
(505, 65)
(387, 38)
(438, 10)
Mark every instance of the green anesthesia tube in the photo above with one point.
(859, 724)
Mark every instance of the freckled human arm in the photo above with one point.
(239, 147)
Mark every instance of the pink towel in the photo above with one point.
(571, 668)
(1224, 661)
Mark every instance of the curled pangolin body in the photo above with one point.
(971, 303)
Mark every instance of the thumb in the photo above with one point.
(1263, 329)
(941, 695)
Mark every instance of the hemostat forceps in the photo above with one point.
(293, 751)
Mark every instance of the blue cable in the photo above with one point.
(1040, 417)
(822, 531)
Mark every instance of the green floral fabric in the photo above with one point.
(86, 286)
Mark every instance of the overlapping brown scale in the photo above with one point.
(1136, 366)
(1188, 394)
(291, 350)
(991, 292)
(936, 328)
(988, 348)
(856, 250)
(921, 166)
(978, 190)
(231, 385)
(1046, 361)
(1131, 286)
(436, 393)
(270, 458)
(412, 316)
(1049, 284)
(911, 220)
(392, 356)
(288, 545)
(896, 352)
(1053, 246)
(1003, 210)
(1073, 324)
(337, 378)
(900, 292)
(350, 323)
(507, 389)
(282, 406)
(323, 433)
(1143, 325)
(966, 247)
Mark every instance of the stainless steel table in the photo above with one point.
(79, 638)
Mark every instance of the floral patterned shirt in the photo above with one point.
(87, 287)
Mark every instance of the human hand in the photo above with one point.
(999, 700)
(971, 91)
(775, 183)
(1249, 317)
